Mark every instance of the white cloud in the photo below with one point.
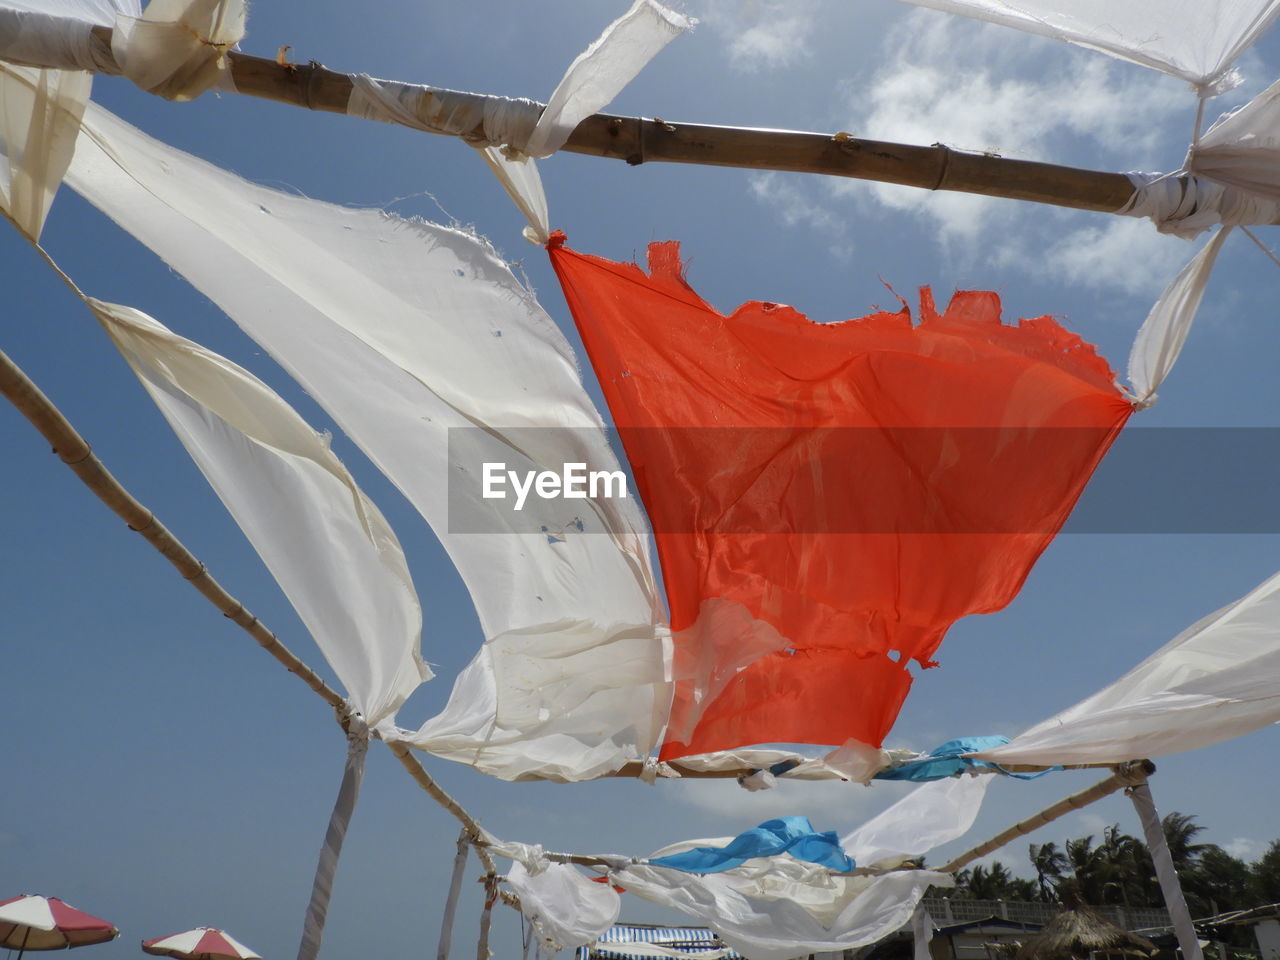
(1119, 253)
(764, 34)
(981, 88)
(1243, 848)
(977, 88)
(795, 208)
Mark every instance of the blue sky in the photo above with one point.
(163, 772)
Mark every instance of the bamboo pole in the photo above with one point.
(76, 453)
(633, 768)
(1125, 775)
(637, 140)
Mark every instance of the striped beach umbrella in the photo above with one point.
(202, 943)
(46, 923)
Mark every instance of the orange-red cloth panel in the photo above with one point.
(828, 498)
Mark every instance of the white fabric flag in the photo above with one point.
(326, 544)
(854, 911)
(1219, 678)
(565, 908)
(929, 816)
(1160, 338)
(39, 118)
(1242, 148)
(775, 908)
(1197, 40)
(432, 357)
(514, 130)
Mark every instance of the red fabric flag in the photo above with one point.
(828, 498)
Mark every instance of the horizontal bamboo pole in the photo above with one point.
(645, 140)
(1126, 775)
(634, 768)
(76, 453)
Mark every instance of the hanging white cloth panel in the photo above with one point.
(775, 908)
(601, 71)
(1219, 678)
(764, 928)
(326, 544)
(565, 908)
(1242, 148)
(416, 337)
(1196, 40)
(930, 815)
(1160, 338)
(514, 130)
(39, 118)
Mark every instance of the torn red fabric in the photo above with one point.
(828, 498)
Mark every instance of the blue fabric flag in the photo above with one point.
(946, 761)
(793, 835)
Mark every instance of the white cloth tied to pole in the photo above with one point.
(511, 132)
(40, 114)
(1186, 205)
(1196, 40)
(1170, 887)
(177, 48)
(417, 337)
(326, 544)
(775, 908)
(58, 33)
(1219, 678)
(565, 908)
(331, 851)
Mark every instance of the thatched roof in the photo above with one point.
(1077, 932)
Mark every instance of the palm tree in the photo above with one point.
(1049, 863)
(1179, 830)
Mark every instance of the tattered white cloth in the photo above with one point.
(1196, 40)
(1219, 678)
(323, 540)
(565, 908)
(776, 908)
(431, 356)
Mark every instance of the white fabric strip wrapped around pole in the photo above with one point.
(1219, 678)
(40, 114)
(1196, 40)
(455, 888)
(1187, 206)
(58, 33)
(326, 544)
(1170, 887)
(921, 933)
(335, 834)
(413, 335)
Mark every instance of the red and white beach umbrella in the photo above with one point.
(46, 923)
(202, 943)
